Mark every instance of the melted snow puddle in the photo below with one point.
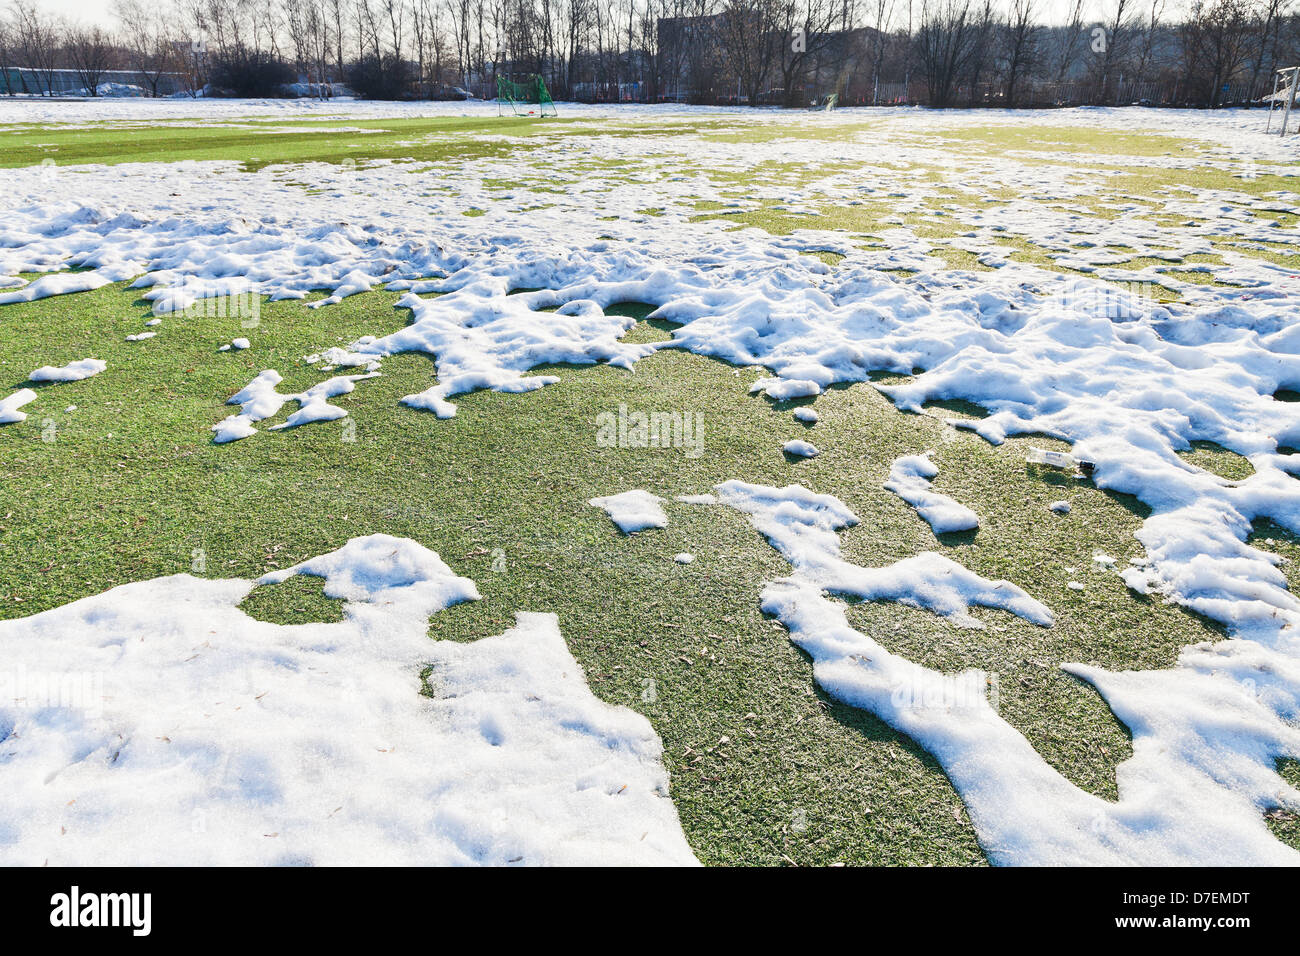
(158, 724)
(1206, 733)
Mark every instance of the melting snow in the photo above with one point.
(1206, 733)
(1126, 381)
(259, 400)
(800, 448)
(9, 412)
(178, 730)
(909, 478)
(633, 510)
(72, 372)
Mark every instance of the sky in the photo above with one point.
(87, 11)
(99, 11)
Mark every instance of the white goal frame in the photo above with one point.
(1290, 75)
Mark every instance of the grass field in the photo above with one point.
(765, 767)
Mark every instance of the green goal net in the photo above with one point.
(529, 98)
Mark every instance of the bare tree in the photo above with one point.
(1114, 42)
(6, 55)
(750, 37)
(36, 41)
(1216, 40)
(909, 55)
(422, 28)
(944, 42)
(91, 52)
(150, 45)
(985, 26)
(308, 23)
(883, 11)
(1146, 45)
(1067, 49)
(334, 14)
(701, 50)
(806, 31)
(295, 16)
(394, 17)
(1268, 18)
(702, 36)
(191, 17)
(369, 33)
(1020, 44)
(577, 14)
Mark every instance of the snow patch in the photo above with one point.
(259, 400)
(909, 478)
(9, 406)
(72, 372)
(1207, 733)
(800, 448)
(199, 736)
(633, 511)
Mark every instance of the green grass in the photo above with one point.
(1123, 158)
(1070, 139)
(258, 143)
(129, 487)
(1285, 824)
(1215, 458)
(299, 600)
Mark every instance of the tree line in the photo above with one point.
(755, 52)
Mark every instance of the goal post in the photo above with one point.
(1285, 81)
(528, 97)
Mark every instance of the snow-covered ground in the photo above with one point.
(1204, 733)
(1127, 381)
(1217, 124)
(159, 724)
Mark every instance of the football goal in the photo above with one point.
(527, 98)
(1285, 81)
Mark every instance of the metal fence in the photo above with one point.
(16, 81)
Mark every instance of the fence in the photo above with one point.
(23, 81)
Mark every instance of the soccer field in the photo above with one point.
(359, 371)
